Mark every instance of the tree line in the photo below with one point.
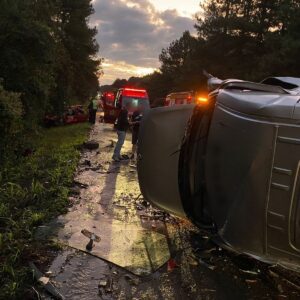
(47, 60)
(245, 39)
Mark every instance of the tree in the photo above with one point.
(26, 55)
(235, 39)
(48, 53)
(77, 64)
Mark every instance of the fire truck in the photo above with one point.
(180, 98)
(108, 104)
(112, 103)
(133, 96)
(183, 98)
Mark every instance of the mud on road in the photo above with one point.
(140, 252)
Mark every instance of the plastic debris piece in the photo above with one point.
(192, 260)
(172, 265)
(207, 265)
(91, 235)
(49, 274)
(44, 280)
(249, 272)
(282, 297)
(49, 287)
(102, 283)
(251, 281)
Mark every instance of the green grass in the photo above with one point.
(33, 190)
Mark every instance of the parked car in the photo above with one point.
(72, 114)
(231, 165)
(75, 114)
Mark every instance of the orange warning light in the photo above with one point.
(201, 100)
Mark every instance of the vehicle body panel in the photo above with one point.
(252, 179)
(162, 132)
(250, 170)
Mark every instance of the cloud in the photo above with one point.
(134, 32)
(121, 69)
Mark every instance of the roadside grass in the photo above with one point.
(33, 190)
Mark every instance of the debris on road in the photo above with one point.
(172, 265)
(93, 237)
(206, 264)
(132, 280)
(251, 281)
(45, 281)
(91, 145)
(250, 272)
(192, 260)
(103, 283)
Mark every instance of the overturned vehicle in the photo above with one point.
(231, 165)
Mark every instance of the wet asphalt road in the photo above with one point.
(144, 253)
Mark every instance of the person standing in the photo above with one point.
(135, 121)
(122, 127)
(93, 107)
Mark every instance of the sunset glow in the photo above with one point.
(132, 33)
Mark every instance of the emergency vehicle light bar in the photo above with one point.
(130, 92)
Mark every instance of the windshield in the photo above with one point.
(136, 102)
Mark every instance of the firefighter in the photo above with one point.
(93, 107)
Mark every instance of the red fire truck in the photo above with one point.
(108, 104)
(133, 96)
(180, 98)
(183, 98)
(112, 102)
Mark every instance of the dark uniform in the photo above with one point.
(136, 118)
(122, 126)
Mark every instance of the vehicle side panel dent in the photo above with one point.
(160, 139)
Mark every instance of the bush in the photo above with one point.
(11, 113)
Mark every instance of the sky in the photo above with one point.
(132, 33)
